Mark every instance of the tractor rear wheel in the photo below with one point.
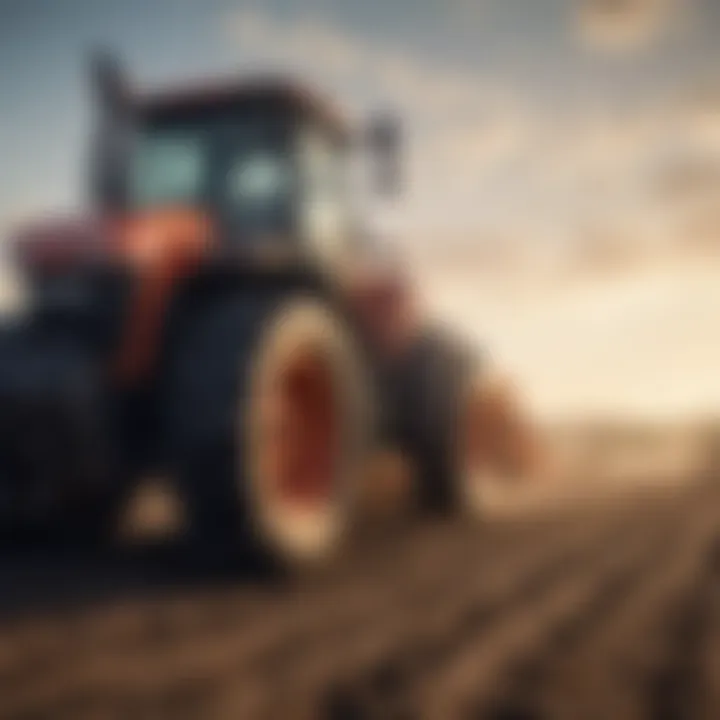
(288, 428)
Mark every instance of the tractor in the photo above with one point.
(221, 316)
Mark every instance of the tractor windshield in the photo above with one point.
(239, 167)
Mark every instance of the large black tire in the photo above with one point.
(462, 426)
(226, 366)
(431, 382)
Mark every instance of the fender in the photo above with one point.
(162, 248)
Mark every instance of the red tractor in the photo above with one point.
(220, 317)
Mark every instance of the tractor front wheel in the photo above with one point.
(462, 428)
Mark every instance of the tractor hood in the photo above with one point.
(77, 264)
(61, 242)
(153, 239)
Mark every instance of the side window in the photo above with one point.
(258, 179)
(168, 168)
(258, 187)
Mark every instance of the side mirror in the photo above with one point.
(384, 141)
(110, 147)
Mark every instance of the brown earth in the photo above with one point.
(609, 611)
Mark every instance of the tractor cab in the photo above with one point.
(261, 160)
(265, 159)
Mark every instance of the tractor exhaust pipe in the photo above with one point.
(113, 108)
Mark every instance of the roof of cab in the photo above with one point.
(254, 91)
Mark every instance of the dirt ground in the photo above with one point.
(606, 609)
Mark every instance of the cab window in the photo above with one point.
(324, 205)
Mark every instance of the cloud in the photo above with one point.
(485, 159)
(306, 43)
(702, 122)
(688, 167)
(625, 25)
(462, 124)
(342, 59)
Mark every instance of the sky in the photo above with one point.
(540, 133)
(638, 344)
(540, 116)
